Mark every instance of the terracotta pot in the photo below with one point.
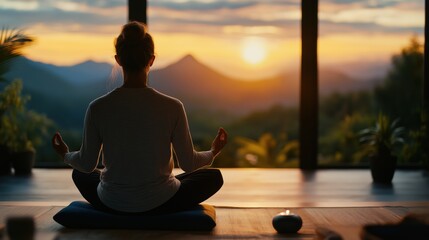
(383, 168)
(5, 161)
(23, 162)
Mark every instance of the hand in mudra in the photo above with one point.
(220, 141)
(59, 145)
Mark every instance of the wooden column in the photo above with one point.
(137, 10)
(309, 95)
(425, 98)
(426, 70)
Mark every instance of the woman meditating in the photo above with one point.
(134, 130)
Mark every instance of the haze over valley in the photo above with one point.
(63, 92)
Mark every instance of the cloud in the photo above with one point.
(389, 17)
(22, 5)
(366, 29)
(201, 6)
(369, 3)
(56, 17)
(95, 3)
(273, 17)
(209, 5)
(230, 22)
(338, 5)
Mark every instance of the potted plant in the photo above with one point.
(11, 42)
(5, 160)
(23, 160)
(22, 130)
(31, 130)
(11, 102)
(381, 143)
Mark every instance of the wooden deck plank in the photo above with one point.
(402, 211)
(46, 222)
(352, 216)
(251, 188)
(232, 223)
(13, 211)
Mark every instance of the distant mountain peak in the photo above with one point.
(91, 62)
(188, 63)
(188, 59)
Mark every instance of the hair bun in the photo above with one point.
(133, 33)
(134, 46)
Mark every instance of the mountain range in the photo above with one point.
(63, 92)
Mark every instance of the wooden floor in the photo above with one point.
(343, 200)
(250, 188)
(232, 223)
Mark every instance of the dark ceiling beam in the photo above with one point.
(137, 11)
(309, 95)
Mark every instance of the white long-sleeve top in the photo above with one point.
(133, 131)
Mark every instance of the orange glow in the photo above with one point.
(223, 53)
(71, 48)
(254, 50)
(353, 47)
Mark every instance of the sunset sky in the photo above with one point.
(241, 38)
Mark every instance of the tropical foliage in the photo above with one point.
(267, 151)
(11, 43)
(400, 95)
(20, 129)
(384, 138)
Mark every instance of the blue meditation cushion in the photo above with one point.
(81, 214)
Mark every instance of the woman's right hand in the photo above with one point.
(220, 141)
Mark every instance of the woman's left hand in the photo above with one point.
(220, 141)
(59, 145)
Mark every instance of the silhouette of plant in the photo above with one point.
(381, 142)
(21, 129)
(11, 43)
(383, 138)
(266, 151)
(11, 103)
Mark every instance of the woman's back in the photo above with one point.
(136, 126)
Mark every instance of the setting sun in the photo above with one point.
(254, 50)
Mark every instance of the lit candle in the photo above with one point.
(287, 212)
(287, 222)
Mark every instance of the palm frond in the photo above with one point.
(366, 139)
(385, 135)
(366, 131)
(11, 43)
(394, 123)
